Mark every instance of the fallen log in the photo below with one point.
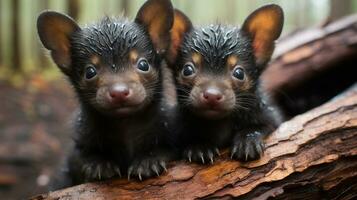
(312, 66)
(312, 156)
(310, 51)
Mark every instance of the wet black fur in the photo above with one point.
(215, 43)
(106, 146)
(244, 129)
(111, 39)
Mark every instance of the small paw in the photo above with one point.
(100, 170)
(201, 154)
(147, 167)
(248, 147)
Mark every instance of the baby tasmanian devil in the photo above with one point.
(217, 71)
(115, 69)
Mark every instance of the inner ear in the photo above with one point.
(181, 26)
(157, 17)
(55, 30)
(264, 26)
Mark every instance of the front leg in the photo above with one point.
(201, 144)
(96, 168)
(91, 167)
(248, 144)
(151, 164)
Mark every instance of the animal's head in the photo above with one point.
(114, 65)
(217, 67)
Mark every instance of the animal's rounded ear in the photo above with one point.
(182, 25)
(264, 26)
(55, 30)
(157, 17)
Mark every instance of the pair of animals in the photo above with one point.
(122, 73)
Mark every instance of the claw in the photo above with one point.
(130, 170)
(117, 170)
(252, 152)
(240, 147)
(217, 151)
(154, 168)
(234, 150)
(259, 149)
(211, 159)
(210, 156)
(98, 170)
(201, 156)
(140, 170)
(246, 153)
(189, 155)
(163, 165)
(262, 147)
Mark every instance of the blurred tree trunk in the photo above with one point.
(340, 8)
(16, 52)
(42, 58)
(1, 58)
(73, 8)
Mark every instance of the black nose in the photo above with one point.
(119, 92)
(212, 96)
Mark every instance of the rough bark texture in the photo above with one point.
(311, 156)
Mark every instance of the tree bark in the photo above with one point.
(312, 156)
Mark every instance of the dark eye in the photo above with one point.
(188, 70)
(238, 73)
(91, 72)
(143, 65)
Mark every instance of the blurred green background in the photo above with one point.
(21, 54)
